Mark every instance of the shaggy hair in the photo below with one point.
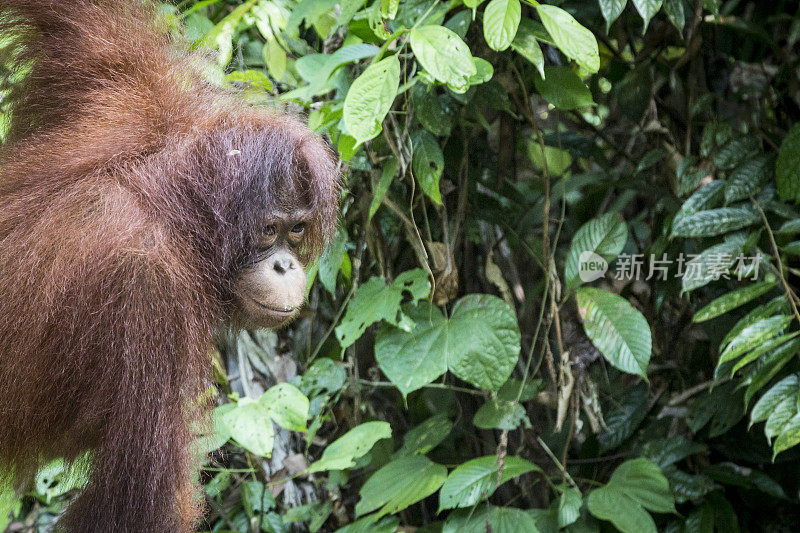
(131, 196)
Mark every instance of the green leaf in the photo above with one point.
(570, 37)
(500, 519)
(675, 14)
(611, 10)
(569, 506)
(331, 260)
(723, 406)
(768, 367)
(779, 407)
(254, 78)
(375, 301)
(711, 264)
(762, 349)
(647, 9)
(558, 160)
(428, 163)
(618, 330)
(434, 112)
(498, 413)
(500, 22)
(444, 55)
(634, 486)
(425, 436)
(736, 151)
(483, 71)
(343, 452)
(779, 304)
(732, 300)
(624, 416)
(250, 426)
(748, 178)
(563, 88)
(382, 187)
(753, 335)
(604, 237)
(788, 166)
(286, 405)
(715, 221)
(706, 197)
(476, 480)
(370, 98)
(399, 484)
(480, 343)
(526, 44)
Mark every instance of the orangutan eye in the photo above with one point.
(299, 228)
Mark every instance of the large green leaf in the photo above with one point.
(788, 166)
(428, 163)
(604, 237)
(476, 480)
(370, 97)
(479, 343)
(635, 486)
(343, 452)
(375, 301)
(618, 330)
(444, 55)
(399, 484)
(570, 36)
(563, 88)
(500, 22)
(647, 9)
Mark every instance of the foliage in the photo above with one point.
(564, 285)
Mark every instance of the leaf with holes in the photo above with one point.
(500, 22)
(618, 330)
(428, 163)
(570, 37)
(370, 98)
